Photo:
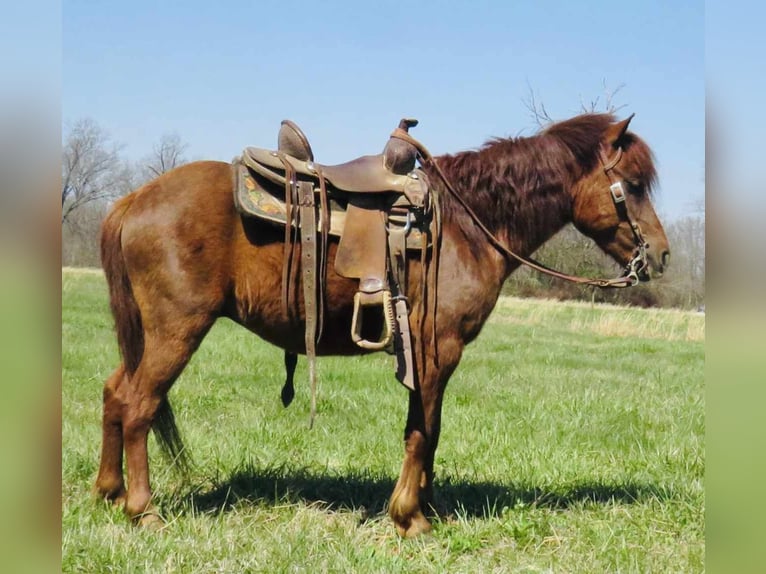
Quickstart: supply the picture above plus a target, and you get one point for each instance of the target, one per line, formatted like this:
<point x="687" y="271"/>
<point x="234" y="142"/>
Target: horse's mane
<point x="523" y="180"/>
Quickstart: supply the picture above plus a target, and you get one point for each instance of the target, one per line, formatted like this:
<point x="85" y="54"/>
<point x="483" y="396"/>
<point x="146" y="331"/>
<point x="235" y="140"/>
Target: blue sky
<point x="222" y="75"/>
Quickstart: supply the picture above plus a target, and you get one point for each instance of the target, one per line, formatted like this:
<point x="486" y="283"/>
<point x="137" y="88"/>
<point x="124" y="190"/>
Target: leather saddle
<point x="379" y="206"/>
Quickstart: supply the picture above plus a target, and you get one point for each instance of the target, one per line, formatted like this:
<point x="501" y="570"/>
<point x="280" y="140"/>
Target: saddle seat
<point x="390" y="171"/>
<point x="366" y="174"/>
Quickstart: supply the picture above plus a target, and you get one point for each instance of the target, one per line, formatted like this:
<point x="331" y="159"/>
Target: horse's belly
<point x="334" y="338"/>
<point x="263" y="312"/>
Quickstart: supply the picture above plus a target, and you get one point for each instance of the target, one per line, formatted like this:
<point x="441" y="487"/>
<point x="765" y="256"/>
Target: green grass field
<point x="573" y="441"/>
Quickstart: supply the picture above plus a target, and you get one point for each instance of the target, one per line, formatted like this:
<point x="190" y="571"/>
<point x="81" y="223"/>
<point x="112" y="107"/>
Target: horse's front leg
<point x="413" y="493"/>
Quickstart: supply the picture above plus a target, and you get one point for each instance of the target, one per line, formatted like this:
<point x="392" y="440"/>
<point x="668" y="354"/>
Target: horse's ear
<point x="615" y="132"/>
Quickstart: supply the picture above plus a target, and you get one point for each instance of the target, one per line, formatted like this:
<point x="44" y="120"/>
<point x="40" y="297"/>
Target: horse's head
<point x="612" y="204"/>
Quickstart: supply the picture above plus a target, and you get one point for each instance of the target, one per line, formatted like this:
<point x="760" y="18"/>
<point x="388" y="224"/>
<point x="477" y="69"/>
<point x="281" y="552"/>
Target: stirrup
<point x="362" y="299"/>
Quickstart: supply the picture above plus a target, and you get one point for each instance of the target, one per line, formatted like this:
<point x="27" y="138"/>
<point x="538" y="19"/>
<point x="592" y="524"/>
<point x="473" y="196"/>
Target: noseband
<point x="633" y="269"/>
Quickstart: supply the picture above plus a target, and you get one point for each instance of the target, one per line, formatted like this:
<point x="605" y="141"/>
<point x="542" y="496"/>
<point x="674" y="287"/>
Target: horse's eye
<point x="634" y="187"/>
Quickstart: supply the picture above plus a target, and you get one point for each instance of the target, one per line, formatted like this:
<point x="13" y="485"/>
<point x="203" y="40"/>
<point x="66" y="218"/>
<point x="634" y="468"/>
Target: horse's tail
<point x="129" y="327"/>
<point x="127" y="315"/>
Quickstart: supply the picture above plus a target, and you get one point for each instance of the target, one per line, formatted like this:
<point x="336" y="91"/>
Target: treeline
<point x="94" y="173"/>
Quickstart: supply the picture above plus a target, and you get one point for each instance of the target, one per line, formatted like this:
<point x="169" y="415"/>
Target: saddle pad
<point x="253" y="200"/>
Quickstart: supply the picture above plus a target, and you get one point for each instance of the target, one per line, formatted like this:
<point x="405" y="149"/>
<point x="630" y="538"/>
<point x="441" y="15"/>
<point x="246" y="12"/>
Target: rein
<point x="635" y="266"/>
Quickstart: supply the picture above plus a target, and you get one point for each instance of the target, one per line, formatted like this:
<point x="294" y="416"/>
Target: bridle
<point x="639" y="261"/>
<point x="636" y="266"/>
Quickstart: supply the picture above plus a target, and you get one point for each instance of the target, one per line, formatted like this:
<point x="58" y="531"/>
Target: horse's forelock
<point x="640" y="159"/>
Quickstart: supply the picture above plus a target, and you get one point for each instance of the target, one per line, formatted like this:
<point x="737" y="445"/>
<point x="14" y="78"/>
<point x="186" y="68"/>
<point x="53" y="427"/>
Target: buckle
<point x="405" y="229"/>
<point x="618" y="192"/>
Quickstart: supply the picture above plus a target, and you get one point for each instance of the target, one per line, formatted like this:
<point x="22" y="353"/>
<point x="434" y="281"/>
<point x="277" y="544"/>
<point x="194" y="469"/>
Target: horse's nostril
<point x="665" y="258"/>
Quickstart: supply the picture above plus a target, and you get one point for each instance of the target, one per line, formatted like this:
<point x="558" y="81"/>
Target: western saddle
<point x="379" y="205"/>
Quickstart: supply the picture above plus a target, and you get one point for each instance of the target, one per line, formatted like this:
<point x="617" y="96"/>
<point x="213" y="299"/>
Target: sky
<point x="223" y="75"/>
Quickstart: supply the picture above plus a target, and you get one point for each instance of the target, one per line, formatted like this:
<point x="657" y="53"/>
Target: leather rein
<point x="633" y="268"/>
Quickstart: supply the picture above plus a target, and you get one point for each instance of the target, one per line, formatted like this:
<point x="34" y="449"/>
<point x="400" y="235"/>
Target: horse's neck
<point x="536" y="220"/>
<point x="523" y="202"/>
<point x="523" y="228"/>
<point x="530" y="221"/>
<point x="520" y="215"/>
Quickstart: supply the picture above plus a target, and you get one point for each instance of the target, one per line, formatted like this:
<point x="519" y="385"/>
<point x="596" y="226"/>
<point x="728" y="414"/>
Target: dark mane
<point x="522" y="181"/>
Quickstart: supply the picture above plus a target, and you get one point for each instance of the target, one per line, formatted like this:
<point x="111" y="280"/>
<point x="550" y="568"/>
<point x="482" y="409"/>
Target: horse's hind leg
<point x="109" y="483"/>
<point x="166" y="353"/>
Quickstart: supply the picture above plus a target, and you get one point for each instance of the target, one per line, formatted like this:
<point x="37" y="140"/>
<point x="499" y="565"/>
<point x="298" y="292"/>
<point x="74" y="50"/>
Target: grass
<point x="573" y="441"/>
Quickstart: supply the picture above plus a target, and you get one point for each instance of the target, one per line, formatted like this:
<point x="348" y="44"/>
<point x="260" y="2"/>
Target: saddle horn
<point x="399" y="155"/>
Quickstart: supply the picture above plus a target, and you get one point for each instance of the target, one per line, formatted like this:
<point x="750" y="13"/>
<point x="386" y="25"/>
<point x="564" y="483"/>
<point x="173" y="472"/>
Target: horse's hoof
<point x="119" y="500"/>
<point x="288" y="394"/>
<point x="150" y="521"/>
<point x="416" y="526"/>
<point x="115" y="497"/>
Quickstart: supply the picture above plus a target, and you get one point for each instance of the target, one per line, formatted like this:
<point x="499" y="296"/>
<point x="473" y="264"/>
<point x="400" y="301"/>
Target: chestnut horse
<point x="178" y="255"/>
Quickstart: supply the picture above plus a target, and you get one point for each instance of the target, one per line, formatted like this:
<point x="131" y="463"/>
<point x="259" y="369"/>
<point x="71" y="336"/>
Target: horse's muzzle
<point x="656" y="266"/>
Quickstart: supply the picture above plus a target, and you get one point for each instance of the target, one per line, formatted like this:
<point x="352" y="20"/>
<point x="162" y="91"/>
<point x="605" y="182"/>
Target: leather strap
<point x="397" y="249"/>
<point x="291" y="231"/>
<point x="405" y="365"/>
<point x="324" y="235"/>
<point x="308" y="226"/>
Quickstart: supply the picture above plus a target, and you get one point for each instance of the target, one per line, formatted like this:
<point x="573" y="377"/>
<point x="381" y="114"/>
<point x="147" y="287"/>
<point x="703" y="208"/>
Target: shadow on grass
<point x="278" y="486"/>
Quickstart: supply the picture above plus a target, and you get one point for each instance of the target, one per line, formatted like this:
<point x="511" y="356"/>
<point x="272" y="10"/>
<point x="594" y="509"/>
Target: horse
<point x="177" y="255"/>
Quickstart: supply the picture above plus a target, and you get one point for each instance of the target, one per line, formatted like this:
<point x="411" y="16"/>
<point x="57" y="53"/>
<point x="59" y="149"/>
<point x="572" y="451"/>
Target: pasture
<point x="572" y="441"/>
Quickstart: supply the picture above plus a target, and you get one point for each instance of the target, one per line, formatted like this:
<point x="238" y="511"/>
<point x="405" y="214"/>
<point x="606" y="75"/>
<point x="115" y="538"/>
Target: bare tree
<point x="167" y="154"/>
<point x="536" y="109"/>
<point x="542" y="118"/>
<point x="608" y="106"/>
<point x="91" y="168"/>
